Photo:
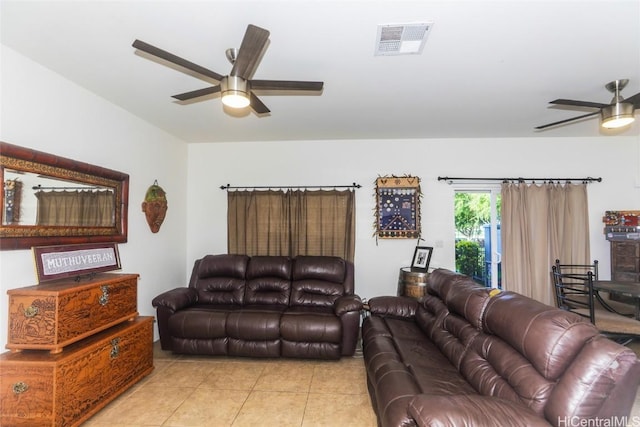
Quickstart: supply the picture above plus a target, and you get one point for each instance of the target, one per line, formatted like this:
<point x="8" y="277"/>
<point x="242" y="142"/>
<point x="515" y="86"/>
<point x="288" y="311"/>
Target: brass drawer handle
<point x="31" y="311"/>
<point x="104" y="298"/>
<point x="115" y="348"/>
<point x="20" y="387"/>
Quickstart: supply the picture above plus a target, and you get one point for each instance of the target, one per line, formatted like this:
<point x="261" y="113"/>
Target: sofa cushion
<point x="441" y="280"/>
<point x="325" y="268"/>
<point x="395" y="387"/>
<point x="199" y="323"/>
<point x="310" y="327"/>
<point x="430" y="314"/>
<point x="311" y="292"/>
<point x="220" y="279"/>
<point x="471" y="410"/>
<point x="596" y="373"/>
<point x="222" y="265"/>
<point x="453" y="337"/>
<point x="221" y="290"/>
<point x="254" y="324"/>
<point x="469" y="301"/>
<point x="269" y="266"/>
<point x="310" y="350"/>
<point x="549" y="338"/>
<point x="260" y="348"/>
<point x="268" y="280"/>
<point x="494" y="368"/>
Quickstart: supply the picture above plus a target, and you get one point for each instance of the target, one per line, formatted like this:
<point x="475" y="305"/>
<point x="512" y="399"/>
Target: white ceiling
<point x="488" y="69"/>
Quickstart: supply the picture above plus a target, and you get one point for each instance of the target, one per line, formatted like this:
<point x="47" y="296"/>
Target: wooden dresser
<point x="75" y="347"/>
<point x="625" y="265"/>
<point x="625" y="261"/>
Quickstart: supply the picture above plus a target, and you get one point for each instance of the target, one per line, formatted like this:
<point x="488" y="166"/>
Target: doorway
<point x="478" y="243"/>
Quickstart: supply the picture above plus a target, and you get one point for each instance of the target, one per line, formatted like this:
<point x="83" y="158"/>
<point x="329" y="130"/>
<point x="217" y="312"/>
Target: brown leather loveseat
<point x="263" y="306"/>
<point x="466" y="356"/>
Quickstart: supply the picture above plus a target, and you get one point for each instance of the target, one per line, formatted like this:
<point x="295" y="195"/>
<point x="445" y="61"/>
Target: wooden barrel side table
<point x="412" y="283"/>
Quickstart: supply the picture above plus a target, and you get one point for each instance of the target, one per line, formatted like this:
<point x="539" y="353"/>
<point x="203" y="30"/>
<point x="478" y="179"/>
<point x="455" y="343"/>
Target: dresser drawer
<point x="42" y="389"/>
<point x="53" y="315"/>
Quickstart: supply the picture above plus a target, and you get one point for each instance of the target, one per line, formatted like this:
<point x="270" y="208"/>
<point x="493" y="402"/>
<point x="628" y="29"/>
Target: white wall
<point x="615" y="159"/>
<point x="43" y="111"/>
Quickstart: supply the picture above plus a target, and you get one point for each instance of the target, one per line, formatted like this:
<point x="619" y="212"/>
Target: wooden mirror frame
<point x="26" y="236"/>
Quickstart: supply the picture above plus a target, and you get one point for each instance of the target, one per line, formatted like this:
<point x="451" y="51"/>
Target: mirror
<point x="51" y="200"/>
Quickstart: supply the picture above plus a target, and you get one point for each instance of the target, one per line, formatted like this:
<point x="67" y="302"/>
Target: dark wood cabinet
<point x="625" y="261"/>
<point x="625" y="265"/>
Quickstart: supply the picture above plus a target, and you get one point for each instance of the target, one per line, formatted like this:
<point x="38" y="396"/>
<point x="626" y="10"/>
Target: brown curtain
<point x="542" y="223"/>
<point x="76" y="208"/>
<point x="291" y="223"/>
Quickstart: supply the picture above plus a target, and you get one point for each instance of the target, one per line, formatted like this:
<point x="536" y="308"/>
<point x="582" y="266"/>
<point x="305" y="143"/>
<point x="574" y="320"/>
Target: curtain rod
<point x="519" y="179"/>
<point x="229" y="187"/>
<point x="39" y="187"/>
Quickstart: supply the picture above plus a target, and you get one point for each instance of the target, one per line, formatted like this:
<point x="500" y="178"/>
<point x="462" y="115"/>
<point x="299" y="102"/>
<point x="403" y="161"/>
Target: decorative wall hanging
<point x="155" y="206"/>
<point x="397" y="207"/>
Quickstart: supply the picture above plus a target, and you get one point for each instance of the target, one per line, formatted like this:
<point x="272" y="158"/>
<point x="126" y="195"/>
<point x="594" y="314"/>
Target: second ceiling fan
<point x="618" y="113"/>
<point x="237" y="88"/>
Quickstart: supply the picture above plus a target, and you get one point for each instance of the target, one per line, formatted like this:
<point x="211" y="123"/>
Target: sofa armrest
<point x="176" y="299"/>
<point x="347" y="303"/>
<point x="471" y="410"/>
<point x="393" y="306"/>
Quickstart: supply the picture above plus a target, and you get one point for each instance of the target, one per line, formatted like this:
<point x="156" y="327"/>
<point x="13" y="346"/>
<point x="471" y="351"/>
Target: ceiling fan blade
<point x="257" y="105"/>
<point x="567" y="120"/>
<point x="285" y="85"/>
<point x="254" y="41"/>
<point x="197" y="93"/>
<point x="578" y="103"/>
<point x="163" y="54"/>
<point x="635" y="100"/>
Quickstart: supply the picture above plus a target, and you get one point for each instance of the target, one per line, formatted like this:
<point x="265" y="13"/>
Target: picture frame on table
<point x="421" y="258"/>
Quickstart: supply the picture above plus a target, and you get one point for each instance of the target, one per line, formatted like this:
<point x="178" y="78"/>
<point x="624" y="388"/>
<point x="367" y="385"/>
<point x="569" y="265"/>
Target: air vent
<point x="402" y="39"/>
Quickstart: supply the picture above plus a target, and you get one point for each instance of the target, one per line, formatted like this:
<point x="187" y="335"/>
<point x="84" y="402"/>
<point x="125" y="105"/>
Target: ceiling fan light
<point x="234" y="92"/>
<point x="235" y="99"/>
<point x="617" y="115"/>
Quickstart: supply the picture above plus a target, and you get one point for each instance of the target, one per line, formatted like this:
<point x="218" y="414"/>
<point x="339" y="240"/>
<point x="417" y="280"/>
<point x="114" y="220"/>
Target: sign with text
<point x="56" y="262"/>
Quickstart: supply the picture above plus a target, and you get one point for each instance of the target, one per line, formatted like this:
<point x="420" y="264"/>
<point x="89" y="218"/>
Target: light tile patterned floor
<point x="188" y="391"/>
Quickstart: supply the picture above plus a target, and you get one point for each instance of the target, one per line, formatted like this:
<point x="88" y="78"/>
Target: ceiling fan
<point x="237" y="88"/>
<point x="618" y="113"/>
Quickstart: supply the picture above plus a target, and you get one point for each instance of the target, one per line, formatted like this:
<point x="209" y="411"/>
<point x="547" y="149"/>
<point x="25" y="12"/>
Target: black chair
<point x="574" y="292"/>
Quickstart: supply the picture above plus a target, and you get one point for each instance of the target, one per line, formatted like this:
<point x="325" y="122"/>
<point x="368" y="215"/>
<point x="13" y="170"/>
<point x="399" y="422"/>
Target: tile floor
<point x="198" y="391"/>
<point x="187" y="391"/>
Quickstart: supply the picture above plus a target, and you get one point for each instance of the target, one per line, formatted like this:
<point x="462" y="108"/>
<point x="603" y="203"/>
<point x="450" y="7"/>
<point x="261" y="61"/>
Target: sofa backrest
<point x="268" y="280"/>
<point x="220" y="279"/>
<point x="271" y="280"/>
<point x="584" y="370"/>
<point x="509" y="346"/>
<point x="319" y="280"/>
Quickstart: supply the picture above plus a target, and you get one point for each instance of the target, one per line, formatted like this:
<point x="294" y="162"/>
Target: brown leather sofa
<point x="263" y="306"/>
<point x="466" y="356"/>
